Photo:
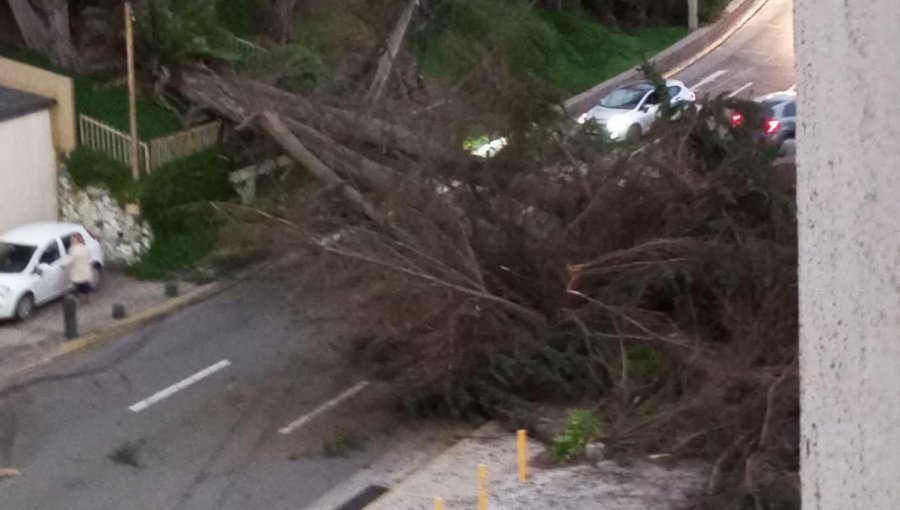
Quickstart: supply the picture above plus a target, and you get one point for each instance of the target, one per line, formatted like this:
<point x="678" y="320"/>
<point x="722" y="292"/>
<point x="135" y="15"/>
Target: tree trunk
<point x="281" y="20"/>
<point x="51" y="36"/>
<point x="272" y="124"/>
<point x="386" y="62"/>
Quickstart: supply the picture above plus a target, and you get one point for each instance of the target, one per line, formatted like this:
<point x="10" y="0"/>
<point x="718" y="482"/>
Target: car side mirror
<point x="39" y="270"/>
<point x="645" y="108"/>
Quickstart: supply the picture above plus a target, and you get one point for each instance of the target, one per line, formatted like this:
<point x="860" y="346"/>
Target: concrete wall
<point x="44" y="83"/>
<point x="27" y="171"/>
<point x="848" y="65"/>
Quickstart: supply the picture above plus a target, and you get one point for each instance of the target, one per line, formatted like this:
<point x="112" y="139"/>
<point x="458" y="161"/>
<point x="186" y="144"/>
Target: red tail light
<point x="772" y="126"/>
<point x="737" y="118"/>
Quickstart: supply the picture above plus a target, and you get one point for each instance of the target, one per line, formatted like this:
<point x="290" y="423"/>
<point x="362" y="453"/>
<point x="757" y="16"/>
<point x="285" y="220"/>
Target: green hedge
<point x="176" y="199"/>
<point x="91" y="168"/>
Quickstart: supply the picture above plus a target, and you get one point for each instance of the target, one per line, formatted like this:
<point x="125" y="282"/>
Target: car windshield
<point x="626" y="98"/>
<point x="14" y="258"/>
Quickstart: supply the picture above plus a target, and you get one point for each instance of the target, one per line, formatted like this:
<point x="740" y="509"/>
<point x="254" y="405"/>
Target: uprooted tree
<point x="658" y="281"/>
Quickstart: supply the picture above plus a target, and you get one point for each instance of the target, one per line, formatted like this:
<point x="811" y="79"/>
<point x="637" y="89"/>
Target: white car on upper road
<point x="32" y="266"/>
<point x="629" y="112"/>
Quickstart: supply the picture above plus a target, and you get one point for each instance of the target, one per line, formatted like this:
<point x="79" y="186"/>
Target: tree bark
<point x="281" y="20"/>
<point x="237" y="98"/>
<point x="386" y="62"/>
<point x="273" y="125"/>
<point x="51" y="36"/>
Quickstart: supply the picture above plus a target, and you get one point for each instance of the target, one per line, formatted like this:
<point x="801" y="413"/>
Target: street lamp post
<point x="693" y="16"/>
<point x="132" y="101"/>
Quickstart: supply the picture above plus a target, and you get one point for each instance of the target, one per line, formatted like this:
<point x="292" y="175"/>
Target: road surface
<point x="756" y="60"/>
<point x="230" y="404"/>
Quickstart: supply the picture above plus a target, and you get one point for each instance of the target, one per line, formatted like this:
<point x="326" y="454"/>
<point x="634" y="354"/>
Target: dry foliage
<point x="660" y="284"/>
<point x="658" y="281"/>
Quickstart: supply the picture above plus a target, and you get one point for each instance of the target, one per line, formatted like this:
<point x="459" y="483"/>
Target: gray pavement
<point x="756" y="60"/>
<point x="215" y="444"/>
<point x="24" y="343"/>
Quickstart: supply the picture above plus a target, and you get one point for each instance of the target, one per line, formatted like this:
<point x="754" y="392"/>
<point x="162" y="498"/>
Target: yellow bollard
<point x="438" y="503"/>
<point x="522" y="437"/>
<point x="482" y="487"/>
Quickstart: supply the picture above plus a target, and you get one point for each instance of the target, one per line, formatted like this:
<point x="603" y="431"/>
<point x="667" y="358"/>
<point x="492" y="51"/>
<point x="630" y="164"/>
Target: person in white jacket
<point x="78" y="260"/>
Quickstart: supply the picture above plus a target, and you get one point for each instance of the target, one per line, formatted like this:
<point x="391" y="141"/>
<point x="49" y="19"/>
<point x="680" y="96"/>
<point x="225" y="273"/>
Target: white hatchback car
<point x="629" y="112"/>
<point x="32" y="270"/>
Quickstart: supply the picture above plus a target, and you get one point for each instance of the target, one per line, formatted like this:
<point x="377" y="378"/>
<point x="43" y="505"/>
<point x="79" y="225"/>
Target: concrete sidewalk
<point x="24" y="343"/>
<point x="641" y="485"/>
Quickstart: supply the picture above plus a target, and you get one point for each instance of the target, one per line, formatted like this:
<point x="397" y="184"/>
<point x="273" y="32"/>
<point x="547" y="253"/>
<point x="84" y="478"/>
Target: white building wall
<point x="848" y="68"/>
<point x="27" y="171"/>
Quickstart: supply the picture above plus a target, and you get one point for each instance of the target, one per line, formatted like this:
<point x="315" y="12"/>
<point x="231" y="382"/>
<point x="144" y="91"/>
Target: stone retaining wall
<point x="124" y="238"/>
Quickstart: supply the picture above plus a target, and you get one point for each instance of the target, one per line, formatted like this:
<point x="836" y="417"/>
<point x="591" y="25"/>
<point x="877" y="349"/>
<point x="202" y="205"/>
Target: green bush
<point x="91" y="168"/>
<point x="583" y="426"/>
<point x="568" y="49"/>
<point x="175" y="200"/>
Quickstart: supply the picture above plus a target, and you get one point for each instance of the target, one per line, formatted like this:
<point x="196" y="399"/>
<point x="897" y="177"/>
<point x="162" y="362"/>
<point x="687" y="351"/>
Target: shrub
<point x="583" y="426"/>
<point x="175" y="199"/>
<point x="91" y="168"/>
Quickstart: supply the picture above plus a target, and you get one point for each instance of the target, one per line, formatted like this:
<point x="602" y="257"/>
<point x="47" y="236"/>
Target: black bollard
<point x="171" y="289"/>
<point x="70" y="317"/>
<point x="118" y="311"/>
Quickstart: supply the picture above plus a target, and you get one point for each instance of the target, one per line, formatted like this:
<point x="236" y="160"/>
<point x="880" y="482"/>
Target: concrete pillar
<point x="848" y="154"/>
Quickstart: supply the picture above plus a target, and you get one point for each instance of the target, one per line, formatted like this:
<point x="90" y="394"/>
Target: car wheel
<point x="96" y="276"/>
<point x="25" y="307"/>
<point x="634" y="133"/>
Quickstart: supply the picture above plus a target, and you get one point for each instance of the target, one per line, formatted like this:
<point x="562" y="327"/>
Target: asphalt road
<point x="758" y="59"/>
<point x="252" y="366"/>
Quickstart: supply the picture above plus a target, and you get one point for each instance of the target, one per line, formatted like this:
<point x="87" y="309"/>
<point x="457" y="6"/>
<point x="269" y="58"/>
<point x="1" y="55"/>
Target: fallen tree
<point x="659" y="284"/>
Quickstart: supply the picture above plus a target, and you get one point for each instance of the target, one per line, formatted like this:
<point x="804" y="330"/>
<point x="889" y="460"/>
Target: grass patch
<point x="126" y="454"/>
<point x="343" y="444"/>
<point x="567" y="49"/>
<point x="109" y="104"/>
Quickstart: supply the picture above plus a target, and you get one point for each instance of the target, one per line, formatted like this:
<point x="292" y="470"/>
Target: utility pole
<point x="693" y="16"/>
<point x="132" y="100"/>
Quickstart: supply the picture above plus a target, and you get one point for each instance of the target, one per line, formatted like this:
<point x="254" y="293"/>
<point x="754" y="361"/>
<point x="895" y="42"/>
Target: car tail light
<point x="772" y="126"/>
<point x="737" y="118"/>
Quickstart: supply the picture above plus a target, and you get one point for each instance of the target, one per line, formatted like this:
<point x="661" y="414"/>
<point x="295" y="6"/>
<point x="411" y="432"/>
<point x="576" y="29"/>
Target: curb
<point x="677" y="57"/>
<point x="129" y="324"/>
<point x="407" y="480"/>
<point x="132" y="323"/>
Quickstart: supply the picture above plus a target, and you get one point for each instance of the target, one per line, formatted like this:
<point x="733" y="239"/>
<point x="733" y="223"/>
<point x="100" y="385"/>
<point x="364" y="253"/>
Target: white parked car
<point x="32" y="270"/>
<point x="629" y="112"/>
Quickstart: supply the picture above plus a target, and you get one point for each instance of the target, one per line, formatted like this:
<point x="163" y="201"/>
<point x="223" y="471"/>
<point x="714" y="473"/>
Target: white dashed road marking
<point x="710" y="78"/>
<point x="303" y="420"/>
<point x="180" y="385"/>
<point x="739" y="90"/>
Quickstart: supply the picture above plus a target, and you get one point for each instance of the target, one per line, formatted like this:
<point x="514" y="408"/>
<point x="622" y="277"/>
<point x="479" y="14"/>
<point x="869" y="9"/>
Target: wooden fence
<point x="108" y="140"/>
<point x="183" y="143"/>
